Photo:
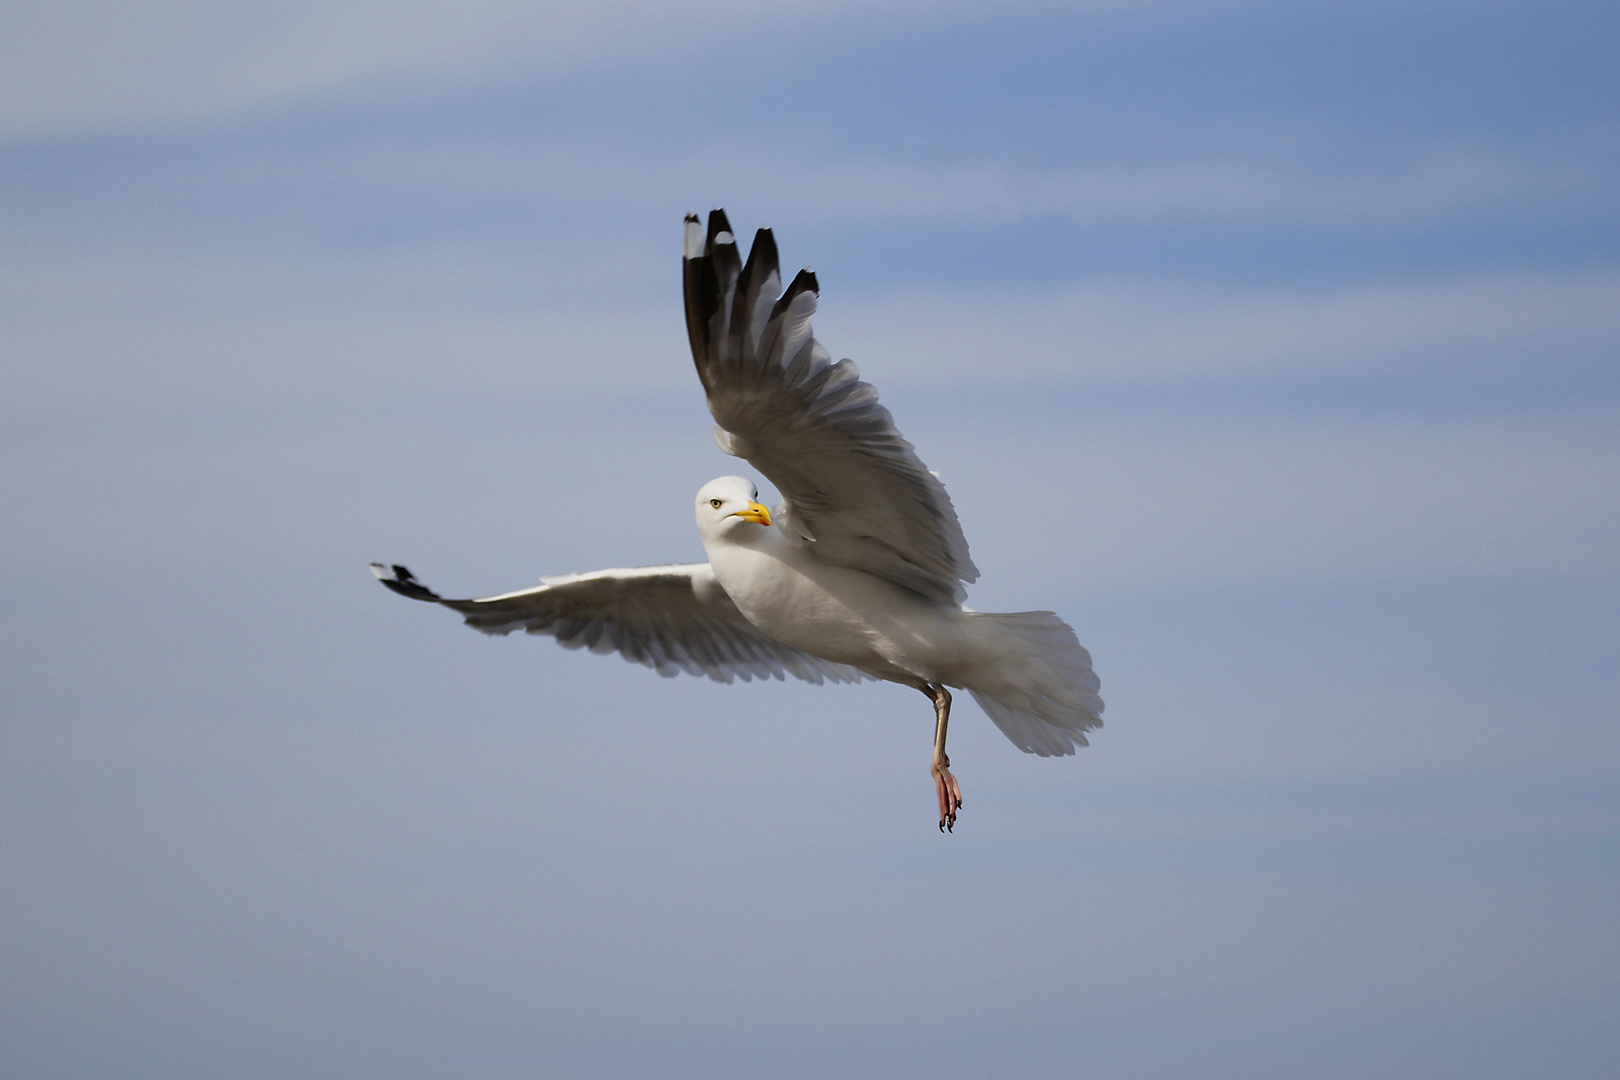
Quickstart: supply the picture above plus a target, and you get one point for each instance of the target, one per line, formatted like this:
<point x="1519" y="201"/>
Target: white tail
<point x="1040" y="689"/>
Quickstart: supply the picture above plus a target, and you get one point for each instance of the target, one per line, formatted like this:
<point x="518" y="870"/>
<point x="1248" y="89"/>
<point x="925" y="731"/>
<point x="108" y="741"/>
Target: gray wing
<point x="854" y="486"/>
<point x="671" y="618"/>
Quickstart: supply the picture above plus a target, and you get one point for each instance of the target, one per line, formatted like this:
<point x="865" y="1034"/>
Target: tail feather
<point x="1041" y="692"/>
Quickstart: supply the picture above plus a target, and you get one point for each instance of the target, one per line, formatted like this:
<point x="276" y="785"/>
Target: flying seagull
<point x="859" y="574"/>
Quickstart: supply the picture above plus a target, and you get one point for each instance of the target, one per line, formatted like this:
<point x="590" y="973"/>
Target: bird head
<point x="727" y="503"/>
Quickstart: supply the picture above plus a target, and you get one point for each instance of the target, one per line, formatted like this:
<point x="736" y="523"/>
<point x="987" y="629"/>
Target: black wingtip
<point x="719" y="223"/>
<point x="404" y="582"/>
<point x="762" y="263"/>
<point x="763" y="252"/>
<point x="804" y="281"/>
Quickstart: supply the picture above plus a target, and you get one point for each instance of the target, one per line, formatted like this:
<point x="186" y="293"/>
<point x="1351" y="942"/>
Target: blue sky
<point x="1274" y="346"/>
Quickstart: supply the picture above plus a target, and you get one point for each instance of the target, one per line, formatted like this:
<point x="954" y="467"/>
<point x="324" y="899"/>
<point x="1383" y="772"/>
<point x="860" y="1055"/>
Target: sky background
<point x="1274" y="345"/>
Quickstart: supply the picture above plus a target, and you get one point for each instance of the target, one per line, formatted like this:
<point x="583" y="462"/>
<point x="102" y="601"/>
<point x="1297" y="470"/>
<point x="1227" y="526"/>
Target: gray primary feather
<point x="670" y="618"/>
<point x="854" y="487"/>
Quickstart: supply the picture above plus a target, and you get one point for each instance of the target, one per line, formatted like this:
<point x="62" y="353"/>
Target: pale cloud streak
<point x="1161" y="332"/>
<point x="1432" y="185"/>
<point x="1157" y="500"/>
<point x="98" y="64"/>
<point x="1184" y="192"/>
<point x="120" y="326"/>
<point x="110" y="65"/>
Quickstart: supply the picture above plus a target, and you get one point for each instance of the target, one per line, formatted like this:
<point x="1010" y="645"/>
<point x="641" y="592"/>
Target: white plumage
<point x="861" y="572"/>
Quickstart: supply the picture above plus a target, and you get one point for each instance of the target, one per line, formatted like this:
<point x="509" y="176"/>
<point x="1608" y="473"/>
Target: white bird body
<point x="863" y="572"/>
<point x="834" y="612"/>
<point x="1026" y="669"/>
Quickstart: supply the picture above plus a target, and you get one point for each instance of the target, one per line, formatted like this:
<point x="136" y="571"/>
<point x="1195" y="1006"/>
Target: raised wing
<point x="854" y="487"/>
<point x="670" y="618"/>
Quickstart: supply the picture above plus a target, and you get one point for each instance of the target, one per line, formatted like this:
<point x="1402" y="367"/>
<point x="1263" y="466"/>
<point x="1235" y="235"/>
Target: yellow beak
<point x="756" y="513"/>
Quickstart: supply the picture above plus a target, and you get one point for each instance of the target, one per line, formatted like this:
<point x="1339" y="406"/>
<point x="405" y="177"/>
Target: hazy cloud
<point x="1467" y="328"/>
<point x="106" y="64"/>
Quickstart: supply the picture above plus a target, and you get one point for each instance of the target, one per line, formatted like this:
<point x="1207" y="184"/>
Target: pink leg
<point x="945" y="786"/>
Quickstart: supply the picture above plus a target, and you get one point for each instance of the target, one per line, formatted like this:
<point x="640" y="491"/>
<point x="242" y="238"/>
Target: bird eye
<point x="715" y="503"/>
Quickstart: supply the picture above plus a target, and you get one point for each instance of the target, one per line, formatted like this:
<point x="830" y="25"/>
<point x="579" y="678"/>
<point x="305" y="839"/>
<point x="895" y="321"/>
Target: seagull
<point x="860" y="573"/>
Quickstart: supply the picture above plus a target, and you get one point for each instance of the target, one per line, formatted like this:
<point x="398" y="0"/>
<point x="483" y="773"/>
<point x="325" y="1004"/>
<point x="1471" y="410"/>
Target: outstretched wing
<point x="671" y="618"/>
<point x="854" y="487"/>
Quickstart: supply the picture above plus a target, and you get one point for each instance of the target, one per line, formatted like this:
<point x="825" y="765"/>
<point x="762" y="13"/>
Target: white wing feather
<point x="670" y="618"/>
